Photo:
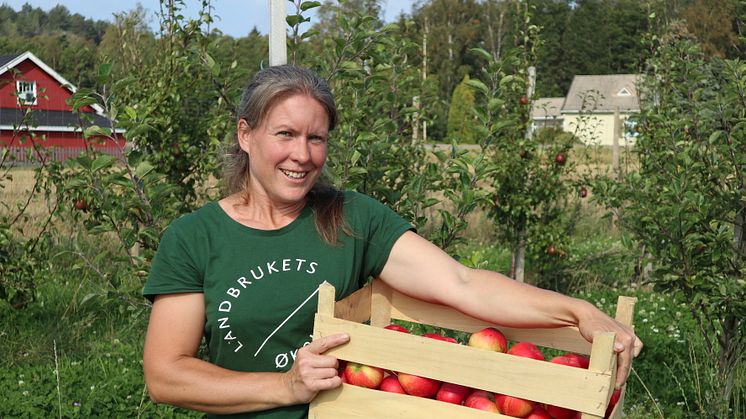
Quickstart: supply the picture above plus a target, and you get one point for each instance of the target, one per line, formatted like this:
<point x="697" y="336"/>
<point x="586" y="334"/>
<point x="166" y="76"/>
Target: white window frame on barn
<point x="24" y="88"/>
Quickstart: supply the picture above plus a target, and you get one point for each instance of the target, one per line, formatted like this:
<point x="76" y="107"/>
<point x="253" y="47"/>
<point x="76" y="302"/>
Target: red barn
<point x="26" y="83"/>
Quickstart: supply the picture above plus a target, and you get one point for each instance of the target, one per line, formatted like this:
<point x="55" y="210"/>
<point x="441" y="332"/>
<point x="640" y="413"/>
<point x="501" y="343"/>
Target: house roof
<point x="43" y="120"/>
<point x="613" y="91"/>
<point x="9" y="61"/>
<point x="547" y="108"/>
<point x="5" y="59"/>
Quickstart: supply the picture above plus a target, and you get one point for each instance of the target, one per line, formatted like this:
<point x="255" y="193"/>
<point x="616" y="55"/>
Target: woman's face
<point x="287" y="150"/>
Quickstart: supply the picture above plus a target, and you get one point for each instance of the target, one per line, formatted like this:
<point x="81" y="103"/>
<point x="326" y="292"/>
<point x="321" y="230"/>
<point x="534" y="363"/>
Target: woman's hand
<point x="313" y="371"/>
<point x="627" y="345"/>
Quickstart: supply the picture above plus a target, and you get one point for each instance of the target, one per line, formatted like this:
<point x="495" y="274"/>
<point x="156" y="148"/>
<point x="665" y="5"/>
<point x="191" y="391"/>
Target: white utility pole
<point x="278" y="46"/>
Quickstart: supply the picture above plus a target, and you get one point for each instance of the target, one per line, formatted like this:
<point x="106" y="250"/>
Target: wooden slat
<point x="380" y="312"/>
<point x="356" y="307"/>
<point x="326" y="299"/>
<point x="413" y="310"/>
<point x="349" y="401"/>
<point x="545" y="382"/>
<point x="603" y="361"/>
<point x="625" y="307"/>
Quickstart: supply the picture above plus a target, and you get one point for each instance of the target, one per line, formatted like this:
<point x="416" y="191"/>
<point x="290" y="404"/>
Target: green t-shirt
<point x="260" y="287"/>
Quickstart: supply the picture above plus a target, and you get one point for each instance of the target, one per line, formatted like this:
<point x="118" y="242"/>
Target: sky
<point x="234" y="17"/>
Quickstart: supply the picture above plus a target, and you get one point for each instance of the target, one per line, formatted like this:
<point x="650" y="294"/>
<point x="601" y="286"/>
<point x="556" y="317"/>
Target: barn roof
<point x="43" y="120"/>
<point x="5" y="59"/>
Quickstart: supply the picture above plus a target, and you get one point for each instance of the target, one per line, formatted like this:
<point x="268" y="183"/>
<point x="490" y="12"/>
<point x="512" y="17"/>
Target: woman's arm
<point x="421" y="270"/>
<point x="174" y="374"/>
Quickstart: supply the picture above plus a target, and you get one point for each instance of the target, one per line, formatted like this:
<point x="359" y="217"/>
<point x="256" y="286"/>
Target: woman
<point x="243" y="272"/>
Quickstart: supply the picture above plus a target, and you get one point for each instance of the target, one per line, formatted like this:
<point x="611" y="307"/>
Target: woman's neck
<point x="258" y="213"/>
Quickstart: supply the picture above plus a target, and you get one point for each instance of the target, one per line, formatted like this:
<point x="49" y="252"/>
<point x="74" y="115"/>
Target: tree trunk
<point x="517" y="266"/>
<point x="731" y="348"/>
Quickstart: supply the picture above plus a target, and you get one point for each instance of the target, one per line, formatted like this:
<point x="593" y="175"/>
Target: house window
<point x="26" y="92"/>
<point x="624" y="92"/>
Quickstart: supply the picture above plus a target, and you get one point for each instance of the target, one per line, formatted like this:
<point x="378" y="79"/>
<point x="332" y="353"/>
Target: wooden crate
<point x="587" y="391"/>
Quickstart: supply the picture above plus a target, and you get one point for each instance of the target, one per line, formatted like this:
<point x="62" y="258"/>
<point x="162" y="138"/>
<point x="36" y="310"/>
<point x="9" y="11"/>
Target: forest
<point x="577" y="37"/>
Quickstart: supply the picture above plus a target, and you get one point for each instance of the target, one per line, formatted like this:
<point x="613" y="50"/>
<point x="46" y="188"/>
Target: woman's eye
<point x="284" y="133"/>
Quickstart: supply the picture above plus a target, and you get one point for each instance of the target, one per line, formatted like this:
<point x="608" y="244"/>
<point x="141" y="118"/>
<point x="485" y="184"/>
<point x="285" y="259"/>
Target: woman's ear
<point x="244" y="134"/>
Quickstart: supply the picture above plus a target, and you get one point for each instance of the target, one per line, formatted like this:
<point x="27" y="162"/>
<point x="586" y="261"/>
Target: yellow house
<point x="595" y="109"/>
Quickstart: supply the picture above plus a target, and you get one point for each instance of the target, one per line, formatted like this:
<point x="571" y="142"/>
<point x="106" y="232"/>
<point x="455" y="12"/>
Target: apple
<point x="81" y="204"/>
<point x="560" y="412"/>
<point x="391" y="384"/>
<point x="452" y="393"/>
<point x="538" y="413"/>
<point x="613" y="401"/>
<point x="583" y="192"/>
<point x="397" y="328"/>
<point x="523" y="100"/>
<point x="526" y="350"/>
<point x="481" y="400"/>
<point x="571" y="359"/>
<point x="551" y="250"/>
<point x="489" y="338"/>
<point x="419" y="386"/>
<point x="560" y="159"/>
<point x="440" y="337"/>
<point x="514" y="406"/>
<point x="363" y="375"/>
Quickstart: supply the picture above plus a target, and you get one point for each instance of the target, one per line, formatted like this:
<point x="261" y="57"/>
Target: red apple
<point x="514" y="406"/>
<point x="560" y="412"/>
<point x="81" y="204"/>
<point x="538" y="413"/>
<point x="481" y="400"/>
<point x="440" y="337"/>
<point x="583" y="192"/>
<point x="391" y="384"/>
<point x="613" y="401"/>
<point x="551" y="250"/>
<point x="524" y="100"/>
<point x="489" y="338"/>
<point x="397" y="328"/>
<point x="419" y="386"/>
<point x="559" y="159"/>
<point x="572" y="359"/>
<point x="363" y="375"/>
<point x="526" y="350"/>
<point x="452" y="393"/>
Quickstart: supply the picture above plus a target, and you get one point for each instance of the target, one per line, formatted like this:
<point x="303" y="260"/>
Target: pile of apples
<point x="489" y="339"/>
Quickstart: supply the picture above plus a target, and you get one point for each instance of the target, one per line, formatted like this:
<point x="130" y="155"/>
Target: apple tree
<point x="376" y="147"/>
<point x="529" y="189"/>
<point x="687" y="201"/>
